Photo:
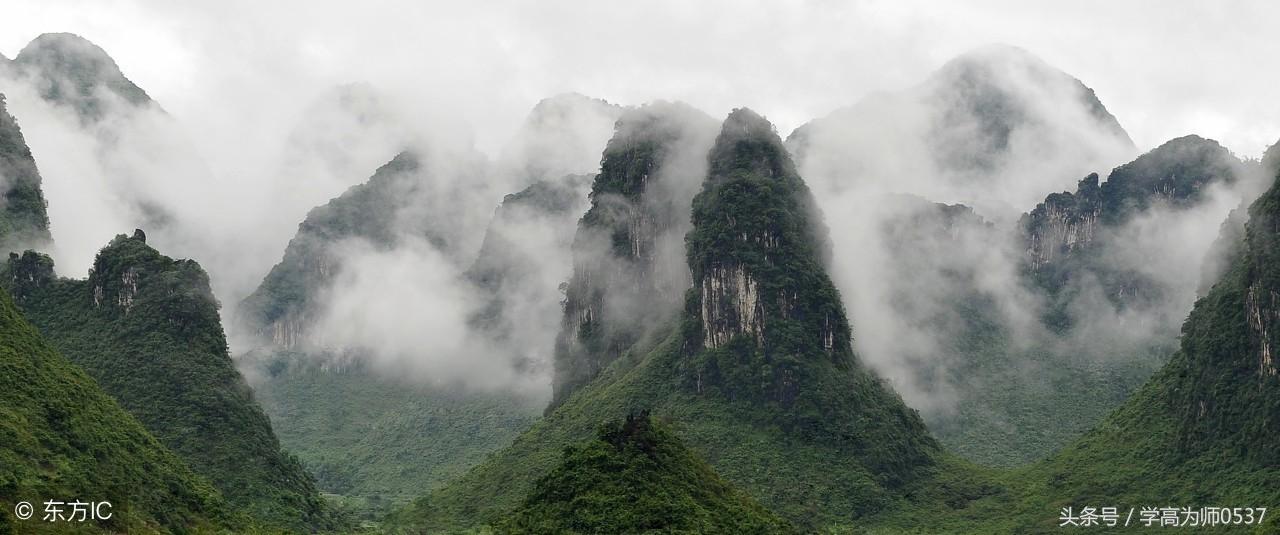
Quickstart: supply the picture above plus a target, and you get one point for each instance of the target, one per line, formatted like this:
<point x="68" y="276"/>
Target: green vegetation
<point x="765" y="324"/>
<point x="63" y="438"/>
<point x="377" y="441"/>
<point x="23" y="218"/>
<point x="636" y="477"/>
<point x="617" y="290"/>
<point x="794" y="422"/>
<point x="1017" y="404"/>
<point x="146" y="328"/>
<point x="1175" y="174"/>
<point x="284" y="300"/>
<point x="374" y="441"/>
<point x="850" y="458"/>
<point x="1196" y="434"/>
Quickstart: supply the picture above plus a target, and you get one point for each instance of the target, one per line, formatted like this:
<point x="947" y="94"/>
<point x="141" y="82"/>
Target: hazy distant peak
<point x="995" y="71"/>
<point x="996" y="53"/>
<point x="994" y="119"/>
<point x="567" y="102"/>
<point x="70" y="69"/>
<point x="562" y="134"/>
<point x="358" y="97"/>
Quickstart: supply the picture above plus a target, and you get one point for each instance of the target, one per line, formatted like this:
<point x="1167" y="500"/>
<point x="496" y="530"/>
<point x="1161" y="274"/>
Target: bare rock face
<point x="1262" y="308"/>
<point x="755" y="253"/>
<point x="1063" y="234"/>
<point x="1065" y="222"/>
<point x="730" y="306"/>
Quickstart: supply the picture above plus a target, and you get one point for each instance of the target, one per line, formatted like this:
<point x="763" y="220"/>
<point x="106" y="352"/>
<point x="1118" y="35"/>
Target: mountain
<point x="995" y="118"/>
<point x="63" y="437"/>
<point x="1197" y="433"/>
<point x="332" y="144"/>
<point x="756" y="371"/>
<point x="68" y="69"/>
<point x="401" y="202"/>
<point x="1014" y="337"/>
<point x="522" y="262"/>
<point x="374" y="433"/>
<point x="24" y="221"/>
<point x="281" y="309"/>
<point x="146" y="328"/>
<point x="1174" y="175"/>
<point x="635" y="476"/>
<point x="562" y="135"/>
<point x="112" y="151"/>
<point x="626" y="271"/>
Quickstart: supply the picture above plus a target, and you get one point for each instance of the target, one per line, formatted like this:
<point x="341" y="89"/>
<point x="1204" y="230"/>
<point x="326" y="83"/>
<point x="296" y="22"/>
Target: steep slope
<point x="772" y="327"/>
<point x="637" y="477"/>
<point x="68" y="69"/>
<point x="24" y="222"/>
<point x="1175" y="175"/>
<point x="523" y="260"/>
<point x="94" y="130"/>
<point x="281" y="308"/>
<point x="627" y="275"/>
<point x="146" y="328"/>
<point x="354" y="423"/>
<point x="62" y="437"/>
<point x="399" y="202"/>
<point x="1013" y="340"/>
<point x="756" y="375"/>
<point x="1197" y="434"/>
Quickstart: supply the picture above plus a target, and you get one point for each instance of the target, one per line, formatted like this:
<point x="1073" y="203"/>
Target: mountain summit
<point x="997" y="117"/>
<point x="146" y="328"/>
<point x="756" y="371"/>
<point x="768" y="323"/>
<point x="627" y="275"/>
<point x="69" y="69"/>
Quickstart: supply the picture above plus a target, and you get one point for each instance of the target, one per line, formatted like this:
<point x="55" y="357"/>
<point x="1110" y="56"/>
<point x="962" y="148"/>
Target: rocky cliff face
<point x="1064" y="222"/>
<point x="1060" y="232"/>
<point x="755" y="255"/>
<point x="24" y="221"/>
<point x="1219" y="390"/>
<point x="764" y="323"/>
<point x="626" y="271"/>
<point x="1262" y="308"/>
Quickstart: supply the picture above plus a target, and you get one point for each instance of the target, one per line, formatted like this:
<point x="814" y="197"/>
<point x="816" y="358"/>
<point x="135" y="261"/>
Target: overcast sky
<point x="1163" y="68"/>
